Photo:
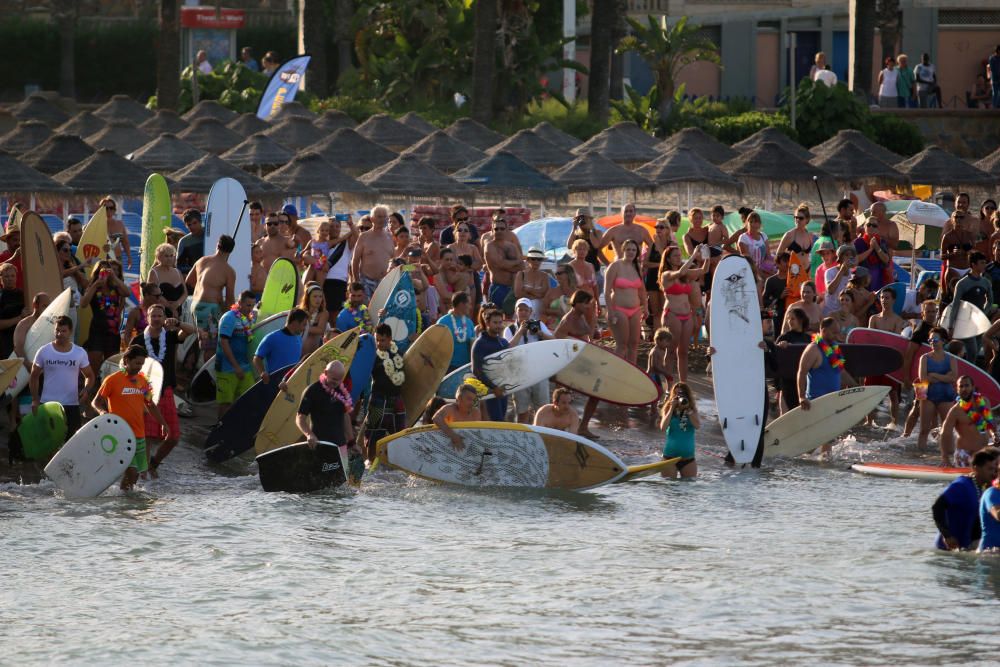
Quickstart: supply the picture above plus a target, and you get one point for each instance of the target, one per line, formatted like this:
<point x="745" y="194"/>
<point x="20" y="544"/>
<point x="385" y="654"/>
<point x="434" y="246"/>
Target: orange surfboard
<point x="798" y="273"/>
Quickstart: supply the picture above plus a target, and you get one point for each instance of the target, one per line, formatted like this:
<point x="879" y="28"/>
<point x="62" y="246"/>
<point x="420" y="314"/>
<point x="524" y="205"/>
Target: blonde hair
<point x="820" y="55"/>
<point x="661" y="333"/>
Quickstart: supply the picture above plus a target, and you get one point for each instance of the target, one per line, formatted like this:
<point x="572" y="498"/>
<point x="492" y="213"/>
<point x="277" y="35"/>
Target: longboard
<point x="903" y="471"/>
<point x="859" y="360"/>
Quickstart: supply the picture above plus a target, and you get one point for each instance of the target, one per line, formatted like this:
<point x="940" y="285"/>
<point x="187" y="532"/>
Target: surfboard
<point x="8" y="371"/>
<point x="401" y="312"/>
<point x="94" y="238"/>
<point x="983" y="381"/>
<point x="362" y="366"/>
<point x="599" y="373"/>
<point x="94" y="458"/>
<point x="151" y="369"/>
<point x="738" y="363"/>
<point x="226" y="213"/>
<point x="424" y="365"/>
<point x="280" y="290"/>
<point x="798" y="273"/>
<point x="380" y="297"/>
<point x="518" y="367"/>
<point x="43" y="434"/>
<point x="39" y="258"/>
<point x="278" y="429"/>
<point x="859" y="360"/>
<point x="13" y="222"/>
<point x="969" y="322"/>
<point x="903" y="471"/>
<point x="296" y="468"/>
<point x="649" y="469"/>
<point x="41" y="333"/>
<point x="234" y="433"/>
<point x="156" y="218"/>
<point x="500" y="454"/>
<point x="800" y="431"/>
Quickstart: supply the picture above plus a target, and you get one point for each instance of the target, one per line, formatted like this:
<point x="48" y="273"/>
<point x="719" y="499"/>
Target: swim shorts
<point x="206" y="318"/>
<point x="140" y="462"/>
<point x="169" y="411"/>
<point x="228" y="387"/>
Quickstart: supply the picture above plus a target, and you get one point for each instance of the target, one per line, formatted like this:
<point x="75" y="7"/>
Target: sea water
<point x="797" y="563"/>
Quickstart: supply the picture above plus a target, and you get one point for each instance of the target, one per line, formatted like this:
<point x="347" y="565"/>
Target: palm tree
<point x="863" y="18"/>
<point x="168" y="56"/>
<point x="667" y="50"/>
<point x="64" y="12"/>
<point x="343" y="15"/>
<point x="312" y="40"/>
<point x="602" y="18"/>
<point x="484" y="60"/>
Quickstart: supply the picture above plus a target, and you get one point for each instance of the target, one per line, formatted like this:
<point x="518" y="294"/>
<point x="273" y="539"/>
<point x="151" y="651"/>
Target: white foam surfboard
<point x="904" y="471"/>
<point x="151" y="369"/>
<point x="41" y="333"/>
<point x="800" y="431"/>
<point x="969" y="322"/>
<point x="519" y="367"/>
<point x="738" y="363"/>
<point x="222" y="212"/>
<point x="94" y="458"/>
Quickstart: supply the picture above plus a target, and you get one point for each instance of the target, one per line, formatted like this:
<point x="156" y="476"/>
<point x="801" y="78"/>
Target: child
<point x="680" y="420"/>
<point x="258" y="274"/>
<point x="315" y="253"/>
<point x="657" y="367"/>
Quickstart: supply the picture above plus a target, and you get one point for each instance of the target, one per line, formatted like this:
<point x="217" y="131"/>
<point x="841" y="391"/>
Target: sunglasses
<point x="463" y="230"/>
<point x="661" y="227"/>
<point x="465" y="219"/>
<point x="270" y="224"/>
<point x="535" y="259"/>
<point x="800" y="217"/>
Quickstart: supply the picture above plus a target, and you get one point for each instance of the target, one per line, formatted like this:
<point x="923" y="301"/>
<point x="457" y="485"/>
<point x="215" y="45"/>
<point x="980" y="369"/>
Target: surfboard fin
<point x="725" y="422"/>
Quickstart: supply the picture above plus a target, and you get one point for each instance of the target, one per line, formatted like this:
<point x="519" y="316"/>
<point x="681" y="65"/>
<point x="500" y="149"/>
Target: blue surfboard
<point x="401" y="312"/>
<point x="361" y="367"/>
<point x="235" y="432"/>
<point x="452" y="381"/>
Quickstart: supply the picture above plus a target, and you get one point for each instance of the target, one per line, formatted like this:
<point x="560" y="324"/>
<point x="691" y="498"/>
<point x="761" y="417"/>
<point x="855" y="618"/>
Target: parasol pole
<point x="913" y="258"/>
<point x="590" y="203"/>
<point x="690" y="203"/>
<point x="608" y="212"/>
<point x="820" y="193"/>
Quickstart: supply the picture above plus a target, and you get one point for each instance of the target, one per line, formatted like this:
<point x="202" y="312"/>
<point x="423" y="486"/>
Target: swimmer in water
<point x="464" y="409"/>
<point x="559" y="414"/>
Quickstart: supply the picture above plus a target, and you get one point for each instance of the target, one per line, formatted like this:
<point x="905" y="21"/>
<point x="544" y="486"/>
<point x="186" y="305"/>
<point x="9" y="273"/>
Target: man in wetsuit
<point x="956" y="510"/>
<point x="489" y="342"/>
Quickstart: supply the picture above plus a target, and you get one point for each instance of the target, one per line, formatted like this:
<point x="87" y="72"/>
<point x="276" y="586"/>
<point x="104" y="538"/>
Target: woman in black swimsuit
<point x="798" y="240"/>
<point x="165" y="275"/>
<point x="662" y="240"/>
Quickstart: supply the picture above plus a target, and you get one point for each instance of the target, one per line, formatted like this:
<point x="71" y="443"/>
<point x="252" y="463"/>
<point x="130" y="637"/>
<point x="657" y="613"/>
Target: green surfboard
<point x="155" y="220"/>
<point x="281" y="290"/>
<point x="43" y="434"/>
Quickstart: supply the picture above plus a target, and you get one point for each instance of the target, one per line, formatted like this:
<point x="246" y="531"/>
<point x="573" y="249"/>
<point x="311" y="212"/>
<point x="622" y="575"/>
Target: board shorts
<point x="370" y="287"/>
<point x="169" y="411"/>
<point x="102" y="341"/>
<point x="206" y="318"/>
<point x="73" y="419"/>
<point x="140" y="462"/>
<point x="386" y="415"/>
<point x="228" y="386"/>
<point x="534" y="396"/>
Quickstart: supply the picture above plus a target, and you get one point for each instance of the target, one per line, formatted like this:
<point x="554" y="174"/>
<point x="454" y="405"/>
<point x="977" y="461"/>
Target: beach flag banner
<point x="282" y="87"/>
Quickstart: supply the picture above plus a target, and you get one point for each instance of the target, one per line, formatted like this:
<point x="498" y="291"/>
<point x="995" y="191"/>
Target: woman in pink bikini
<point x="677" y="279"/>
<point x="625" y="294"/>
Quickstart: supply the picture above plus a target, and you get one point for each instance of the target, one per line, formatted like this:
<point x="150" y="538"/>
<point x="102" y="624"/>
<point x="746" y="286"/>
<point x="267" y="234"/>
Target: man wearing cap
<point x="837" y="277"/>
<point x="526" y="329"/>
<point x="12" y="255"/>
<point x="828" y="252"/>
<point x="300" y="235"/>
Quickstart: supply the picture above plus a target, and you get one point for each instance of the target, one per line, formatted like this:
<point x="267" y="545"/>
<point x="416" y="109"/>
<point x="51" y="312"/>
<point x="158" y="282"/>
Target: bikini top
<point x="678" y="288"/>
<point x="625" y="283"/>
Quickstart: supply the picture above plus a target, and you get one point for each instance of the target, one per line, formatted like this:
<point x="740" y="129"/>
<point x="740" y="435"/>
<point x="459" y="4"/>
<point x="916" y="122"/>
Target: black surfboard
<point x="299" y="469"/>
<point x="859" y="360"/>
<point x="235" y="432"/>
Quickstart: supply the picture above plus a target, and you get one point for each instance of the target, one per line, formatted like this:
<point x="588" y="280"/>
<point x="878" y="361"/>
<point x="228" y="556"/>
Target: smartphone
<point x="343" y="217"/>
<point x="705" y="252"/>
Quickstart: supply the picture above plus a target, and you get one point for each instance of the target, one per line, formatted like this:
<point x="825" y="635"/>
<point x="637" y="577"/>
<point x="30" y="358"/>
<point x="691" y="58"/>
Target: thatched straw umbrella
<point x="18" y="178"/>
<point x="848" y="164"/>
<point x="296" y="133"/>
<point x="385" y="130"/>
<point x="555" y="136"/>
<point x="7" y="121"/>
<point x="163" y="121"/>
<point x="248" y="123"/>
<point x="504" y="177"/>
<point x="258" y="152"/>
<point x="474" y="133"/>
<point x="38" y="107"/>
<point x="990" y="164"/>
<point x="683" y="168"/>
<point x="83" y="124"/>
<point x="353" y="153"/>
<point x="123" y="107"/>
<point x="210" y="135"/>
<point x="119" y="136"/>
<point x="532" y="149"/>
<point x="27" y="135"/>
<point x="58" y="152"/>
<point x="444" y="153"/>
<point x="860" y="142"/>
<point x="334" y="119"/>
<point x="417" y="122"/>
<point x="936" y="166"/>
<point x="202" y="175"/>
<point x="167" y="153"/>
<point x="309" y="174"/>
<point x="209" y="109"/>
<point x="618" y="147"/>
<point x="632" y="131"/>
<point x="775" y="136"/>
<point x="769" y="164"/>
<point x="698" y="141"/>
<point x="105" y="172"/>
<point x="592" y="173"/>
<point x="408" y="177"/>
<point x="290" y="109"/>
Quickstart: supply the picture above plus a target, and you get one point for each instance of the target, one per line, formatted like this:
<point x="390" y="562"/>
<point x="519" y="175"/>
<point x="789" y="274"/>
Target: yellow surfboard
<point x="424" y="366"/>
<point x="40" y="261"/>
<point x="90" y="250"/>
<point x="278" y="427"/>
<point x="649" y="469"/>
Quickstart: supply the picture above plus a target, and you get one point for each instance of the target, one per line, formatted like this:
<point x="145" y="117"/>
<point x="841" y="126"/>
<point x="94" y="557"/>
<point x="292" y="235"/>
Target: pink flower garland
<point x="337" y="391"/>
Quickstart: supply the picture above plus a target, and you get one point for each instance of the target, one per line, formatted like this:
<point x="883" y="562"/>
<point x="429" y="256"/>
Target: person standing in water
<point x="559" y="414"/>
<point x="956" y="510"/>
<point x="680" y="420"/>
<point x="324" y="414"/>
<point x="386" y="410"/>
<point x="821" y="368"/>
<point x="62" y="363"/>
<point x="464" y="409"/>
<point x="972" y="419"/>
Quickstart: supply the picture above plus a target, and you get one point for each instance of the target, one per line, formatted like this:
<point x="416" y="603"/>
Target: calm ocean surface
<point x="799" y="563"/>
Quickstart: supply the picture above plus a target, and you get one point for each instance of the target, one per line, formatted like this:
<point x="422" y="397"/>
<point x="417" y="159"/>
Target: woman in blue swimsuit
<point x="938" y="371"/>
<point x="680" y="419"/>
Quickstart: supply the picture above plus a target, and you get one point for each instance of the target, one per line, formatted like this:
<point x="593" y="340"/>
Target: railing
<point x="648" y="6"/>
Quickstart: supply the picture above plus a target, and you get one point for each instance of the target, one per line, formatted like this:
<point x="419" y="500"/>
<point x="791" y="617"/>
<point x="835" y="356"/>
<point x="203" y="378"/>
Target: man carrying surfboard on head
<point x="372" y="252"/>
<point x="62" y="363"/>
<point x="956" y="510"/>
<point x="213" y="282"/>
<point x="464" y="409"/>
<point x="972" y="419"/>
<point x="821" y="367"/>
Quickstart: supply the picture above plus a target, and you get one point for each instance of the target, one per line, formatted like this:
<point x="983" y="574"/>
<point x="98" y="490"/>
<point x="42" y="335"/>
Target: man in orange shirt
<point x="129" y="395"/>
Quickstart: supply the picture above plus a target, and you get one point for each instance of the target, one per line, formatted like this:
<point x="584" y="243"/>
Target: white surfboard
<point x="800" y="431"/>
<point x="518" y="367"/>
<point x="738" y="363"/>
<point x="41" y="333"/>
<point x="969" y="322"/>
<point x="222" y="213"/>
<point x="497" y="454"/>
<point x="151" y="369"/>
<point x="94" y="458"/>
<point x="380" y="297"/>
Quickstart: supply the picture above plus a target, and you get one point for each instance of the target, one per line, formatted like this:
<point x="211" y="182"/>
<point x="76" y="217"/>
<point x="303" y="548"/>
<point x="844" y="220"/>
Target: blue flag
<point x="282" y="87"/>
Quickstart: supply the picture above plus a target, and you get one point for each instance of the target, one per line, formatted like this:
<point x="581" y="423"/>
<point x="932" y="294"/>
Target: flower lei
<point x="162" y="343"/>
<point x="475" y="383"/>
<point x="977" y="410"/>
<point x="339" y="392"/>
<point x="360" y="320"/>
<point x="393" y="366"/>
<point x="247" y="322"/>
<point x="831" y="352"/>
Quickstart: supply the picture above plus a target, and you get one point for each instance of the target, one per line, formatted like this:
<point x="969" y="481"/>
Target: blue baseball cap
<point x="290" y="210"/>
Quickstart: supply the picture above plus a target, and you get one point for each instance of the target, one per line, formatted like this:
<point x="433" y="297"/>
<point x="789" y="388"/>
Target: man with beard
<point x="972" y="420"/>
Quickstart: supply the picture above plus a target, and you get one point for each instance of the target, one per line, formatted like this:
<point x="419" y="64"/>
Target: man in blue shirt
<point x="356" y="312"/>
<point x="989" y="517"/>
<point x="232" y="361"/>
<point x="282" y="347"/>
<point x="462" y="330"/>
<point x="956" y="510"/>
<point x="489" y="342"/>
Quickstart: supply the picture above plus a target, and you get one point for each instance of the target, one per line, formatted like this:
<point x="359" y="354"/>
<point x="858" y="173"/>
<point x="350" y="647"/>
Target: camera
<point x="534" y="326"/>
<point x="398" y="261"/>
<point x="682" y="401"/>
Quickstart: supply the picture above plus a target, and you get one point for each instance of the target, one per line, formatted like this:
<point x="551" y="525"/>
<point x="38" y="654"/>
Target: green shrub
<point x="357" y="108"/>
<point x="731" y="129"/>
<point x="572" y="120"/>
<point x="821" y="111"/>
<point x="898" y="135"/>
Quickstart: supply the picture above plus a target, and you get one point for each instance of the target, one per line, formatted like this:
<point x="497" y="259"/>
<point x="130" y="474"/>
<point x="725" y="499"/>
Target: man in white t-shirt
<point x="62" y="362"/>
<point x="527" y="330"/>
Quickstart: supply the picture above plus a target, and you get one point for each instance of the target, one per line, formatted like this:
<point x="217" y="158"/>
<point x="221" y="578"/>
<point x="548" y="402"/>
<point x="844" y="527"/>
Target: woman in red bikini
<point x="625" y="294"/>
<point x="676" y="280"/>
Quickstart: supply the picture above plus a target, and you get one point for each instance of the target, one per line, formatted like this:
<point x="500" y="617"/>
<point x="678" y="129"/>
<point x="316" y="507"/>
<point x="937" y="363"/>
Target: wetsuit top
<point x="955" y="513"/>
<point x="823" y="380"/>
<point x="679" y="438"/>
<point x="325" y="412"/>
<point x="989" y="525"/>
<point x="484" y="346"/>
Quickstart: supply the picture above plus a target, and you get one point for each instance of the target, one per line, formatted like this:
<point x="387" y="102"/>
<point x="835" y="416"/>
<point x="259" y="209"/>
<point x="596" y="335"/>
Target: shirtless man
<point x="464" y="409"/>
<point x="431" y="250"/>
<point x="886" y="320"/>
<point x="214" y="283"/>
<point x="887" y="229"/>
<point x="300" y="236"/>
<point x="967" y="418"/>
<point x="576" y="324"/>
<point x="256" y="212"/>
<point x="372" y="253"/>
<point x="503" y="259"/>
<point x="273" y="243"/>
<point x="559" y="414"/>
<point x="628" y="230"/>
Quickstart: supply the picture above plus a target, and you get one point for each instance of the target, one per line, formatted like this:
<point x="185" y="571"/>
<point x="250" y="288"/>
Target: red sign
<point x="212" y="17"/>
